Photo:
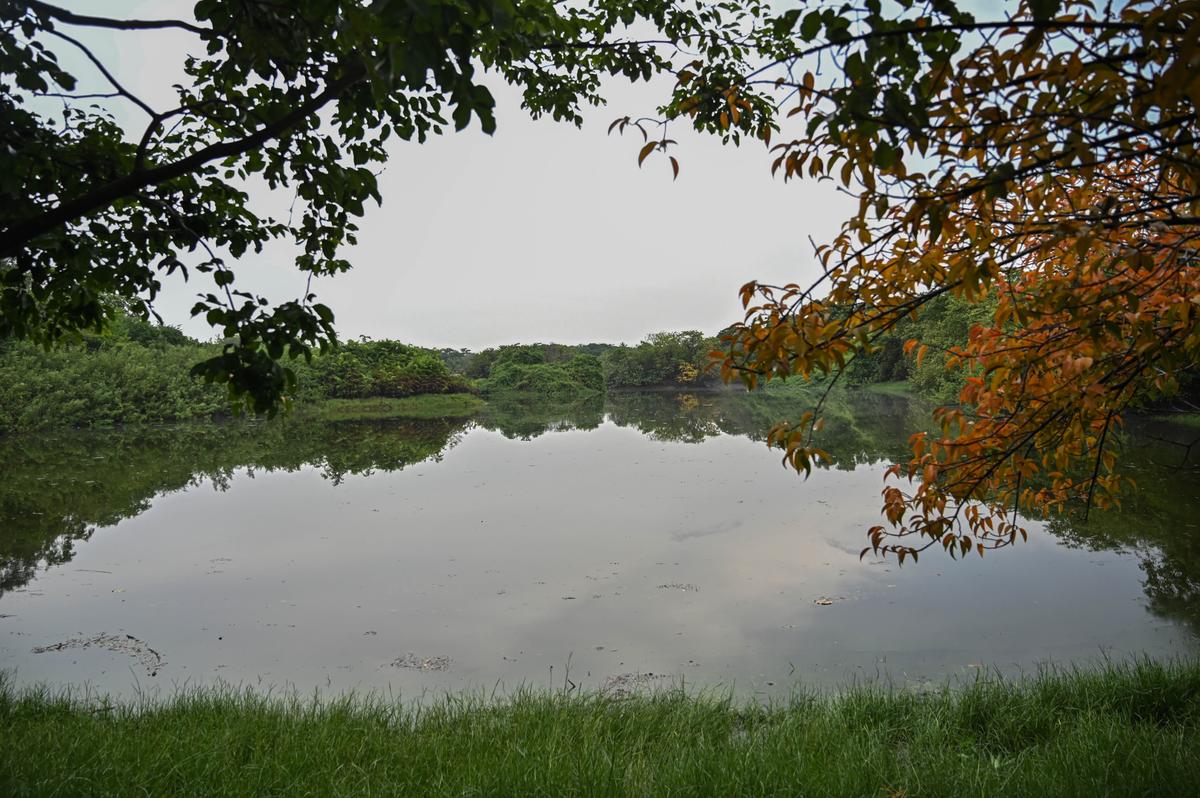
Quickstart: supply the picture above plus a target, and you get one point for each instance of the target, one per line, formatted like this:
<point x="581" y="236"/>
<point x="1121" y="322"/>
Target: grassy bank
<point x="1179" y="419"/>
<point x="1126" y="731"/>
<point x="893" y="388"/>
<point x="422" y="406"/>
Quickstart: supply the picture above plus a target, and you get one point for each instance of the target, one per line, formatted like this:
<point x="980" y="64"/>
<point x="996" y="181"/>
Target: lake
<point x="643" y="540"/>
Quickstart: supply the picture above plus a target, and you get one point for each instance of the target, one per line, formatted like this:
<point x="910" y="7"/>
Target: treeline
<point x="138" y="372"/>
<point x="666" y="359"/>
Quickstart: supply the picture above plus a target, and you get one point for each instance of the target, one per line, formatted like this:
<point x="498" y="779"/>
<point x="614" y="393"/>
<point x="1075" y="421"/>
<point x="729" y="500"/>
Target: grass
<point x="1190" y="419"/>
<point x="795" y="387"/>
<point x="422" y="406"/>
<point x="893" y="388"/>
<point x="1126" y="730"/>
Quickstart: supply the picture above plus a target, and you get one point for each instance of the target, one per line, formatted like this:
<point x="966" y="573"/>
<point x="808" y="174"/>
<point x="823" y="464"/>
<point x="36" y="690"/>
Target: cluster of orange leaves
<point x="1065" y="189"/>
<point x="1085" y="325"/>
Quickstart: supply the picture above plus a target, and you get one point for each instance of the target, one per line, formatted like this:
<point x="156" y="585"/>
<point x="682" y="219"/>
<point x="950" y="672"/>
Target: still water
<point x="647" y="540"/>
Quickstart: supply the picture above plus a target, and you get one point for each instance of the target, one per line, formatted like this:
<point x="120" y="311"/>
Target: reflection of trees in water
<point x="19" y="563"/>
<point x="858" y="430"/>
<point x="525" y="418"/>
<point x="56" y="488"/>
<point x="1159" y="523"/>
<point x="667" y="416"/>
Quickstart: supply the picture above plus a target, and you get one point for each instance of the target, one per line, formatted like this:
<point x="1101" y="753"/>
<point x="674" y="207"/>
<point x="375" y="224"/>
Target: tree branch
<point x="121" y="90"/>
<point x="19" y="235"/>
<point x="71" y="18"/>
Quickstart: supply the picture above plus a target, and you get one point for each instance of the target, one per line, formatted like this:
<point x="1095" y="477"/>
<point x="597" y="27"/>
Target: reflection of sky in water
<point x="512" y="557"/>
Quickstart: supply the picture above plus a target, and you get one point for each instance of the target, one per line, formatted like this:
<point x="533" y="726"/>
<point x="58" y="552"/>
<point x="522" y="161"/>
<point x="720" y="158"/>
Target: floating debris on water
<point x="680" y="586"/>
<point x="147" y="657"/>
<point x="627" y="684"/>
<point x="424" y="664"/>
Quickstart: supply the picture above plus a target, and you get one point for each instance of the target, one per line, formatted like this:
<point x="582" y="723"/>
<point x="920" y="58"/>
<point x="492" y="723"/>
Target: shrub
<point x="358" y="370"/>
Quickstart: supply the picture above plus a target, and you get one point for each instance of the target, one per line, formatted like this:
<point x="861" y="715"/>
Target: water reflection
<point x="1159" y="523"/>
<point x="858" y="431"/>
<point x="57" y="488"/>
<point x="522" y="418"/>
<point x="557" y="528"/>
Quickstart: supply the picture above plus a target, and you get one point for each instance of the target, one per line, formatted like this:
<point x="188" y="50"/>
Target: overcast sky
<point x="540" y="232"/>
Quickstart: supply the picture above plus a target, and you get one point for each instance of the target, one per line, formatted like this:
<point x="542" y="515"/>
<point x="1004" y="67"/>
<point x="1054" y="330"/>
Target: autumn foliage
<point x="1044" y="162"/>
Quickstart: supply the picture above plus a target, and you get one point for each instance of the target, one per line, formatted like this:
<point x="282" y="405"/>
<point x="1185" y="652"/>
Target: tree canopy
<point x="301" y="97"/>
<point x="1043" y="161"/>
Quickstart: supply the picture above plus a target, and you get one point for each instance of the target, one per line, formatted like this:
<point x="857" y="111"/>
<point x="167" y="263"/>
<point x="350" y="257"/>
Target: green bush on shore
<point x="677" y="359"/>
<point x="109" y="382"/>
<point x="139" y="372"/>
<point x="577" y="377"/>
<point x="540" y="370"/>
<point x="366" y="369"/>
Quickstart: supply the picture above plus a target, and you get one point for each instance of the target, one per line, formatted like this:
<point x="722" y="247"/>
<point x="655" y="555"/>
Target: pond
<point x="648" y="539"/>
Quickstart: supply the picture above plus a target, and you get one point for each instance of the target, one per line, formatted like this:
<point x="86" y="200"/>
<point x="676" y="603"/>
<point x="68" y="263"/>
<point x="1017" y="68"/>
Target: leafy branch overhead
<point x="303" y="97"/>
<point x="1043" y="162"/>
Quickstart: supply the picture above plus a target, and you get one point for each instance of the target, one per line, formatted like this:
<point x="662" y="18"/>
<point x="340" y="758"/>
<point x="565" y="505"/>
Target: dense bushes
<point x="527" y="369"/>
<point x="141" y="372"/>
<point x="359" y="370"/>
<point x="561" y="370"/>
<point x="479" y="365"/>
<point x="662" y="359"/>
<point x="102" y="381"/>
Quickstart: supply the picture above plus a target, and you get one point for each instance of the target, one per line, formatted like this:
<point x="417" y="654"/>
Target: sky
<point x="540" y="232"/>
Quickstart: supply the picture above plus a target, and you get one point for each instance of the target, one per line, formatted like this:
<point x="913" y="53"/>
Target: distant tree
<point x="456" y="359"/>
<point x="663" y="358"/>
<point x="522" y="355"/>
<point x="360" y="370"/>
<point x="300" y="96"/>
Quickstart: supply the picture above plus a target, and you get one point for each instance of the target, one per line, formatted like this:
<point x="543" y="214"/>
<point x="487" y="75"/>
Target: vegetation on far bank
<point x="1128" y="730"/>
<point x="1183" y="419"/>
<point x="138" y="372"/>
<point x="892" y="388"/>
<point x="664" y="359"/>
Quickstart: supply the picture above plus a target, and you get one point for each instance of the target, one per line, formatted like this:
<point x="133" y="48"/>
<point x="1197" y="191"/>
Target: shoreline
<point x="1123" y="729"/>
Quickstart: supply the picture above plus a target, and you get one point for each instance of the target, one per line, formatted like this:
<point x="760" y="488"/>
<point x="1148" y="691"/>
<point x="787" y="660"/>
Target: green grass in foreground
<point x="1131" y="730"/>
<point x="422" y="406"/>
